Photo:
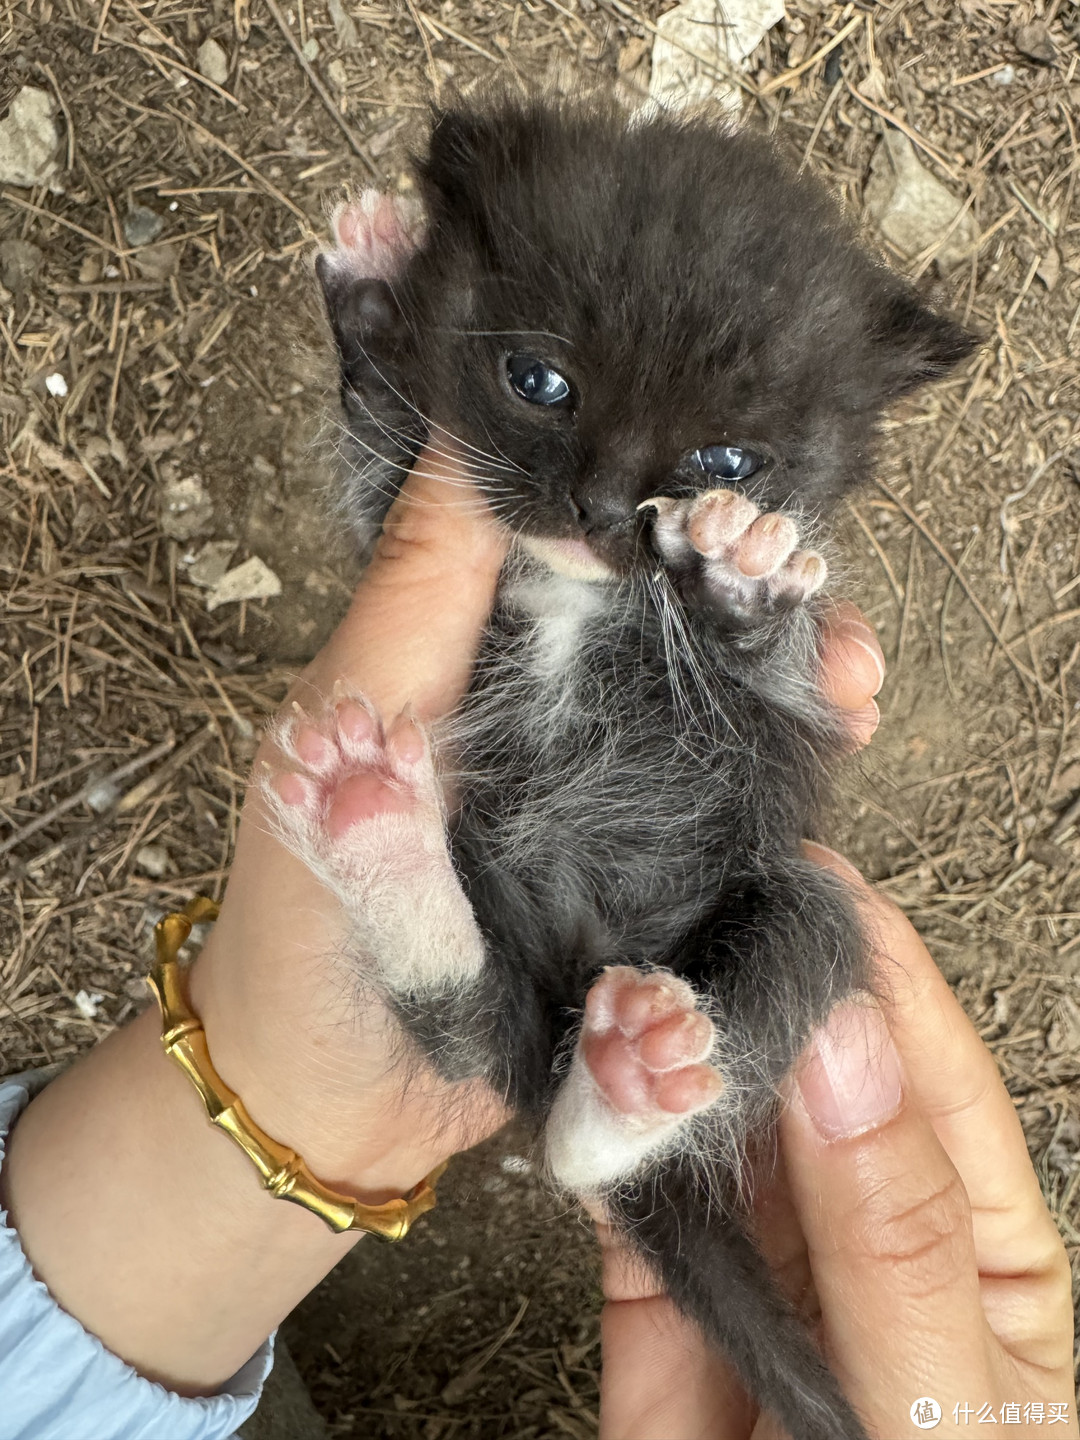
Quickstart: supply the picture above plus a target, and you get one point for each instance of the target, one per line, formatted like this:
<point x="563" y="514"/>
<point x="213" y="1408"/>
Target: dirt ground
<point x="165" y="275"/>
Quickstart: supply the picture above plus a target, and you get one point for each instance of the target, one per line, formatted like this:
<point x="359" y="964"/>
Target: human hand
<point x="288" y="1021"/>
<point x="904" y="1221"/>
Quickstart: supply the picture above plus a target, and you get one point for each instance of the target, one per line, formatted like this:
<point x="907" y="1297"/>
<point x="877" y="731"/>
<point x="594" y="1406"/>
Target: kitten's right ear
<point x="456" y="137"/>
<point x="363" y="312"/>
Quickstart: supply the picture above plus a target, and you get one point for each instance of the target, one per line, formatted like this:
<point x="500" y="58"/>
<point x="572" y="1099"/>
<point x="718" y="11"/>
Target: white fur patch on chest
<point x="560" y="609"/>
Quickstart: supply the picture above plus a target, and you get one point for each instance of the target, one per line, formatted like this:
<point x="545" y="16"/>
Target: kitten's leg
<point x="781" y="947"/>
<point x="742" y="564"/>
<point x="639" y="1074"/>
<point x="362" y="807"/>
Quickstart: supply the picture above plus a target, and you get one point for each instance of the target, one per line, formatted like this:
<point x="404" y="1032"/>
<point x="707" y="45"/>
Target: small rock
<point x="1005" y="76"/>
<point x="87" y="1002"/>
<point x="1049" y="270"/>
<point x="211" y="60"/>
<point x="253" y="580"/>
<point x="310" y="49"/>
<point x="210" y="564"/>
<point x="154" y="859"/>
<point x="142" y="225"/>
<point x="911" y="207"/>
<point x="19" y="264"/>
<point x="103" y="796"/>
<point x="56" y="385"/>
<point x="1034" y="41"/>
<point x="29" y="140"/>
<point x="158" y="262"/>
<point x="186" y="509"/>
<point x="337" y="74"/>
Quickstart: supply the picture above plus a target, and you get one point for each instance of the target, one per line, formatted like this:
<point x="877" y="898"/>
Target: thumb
<point x="887" y="1225"/>
<point x="410" y="635"/>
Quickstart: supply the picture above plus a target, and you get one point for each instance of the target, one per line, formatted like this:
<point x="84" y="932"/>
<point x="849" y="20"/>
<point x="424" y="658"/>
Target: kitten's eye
<point x="536" y="382"/>
<point x="727" y="462"/>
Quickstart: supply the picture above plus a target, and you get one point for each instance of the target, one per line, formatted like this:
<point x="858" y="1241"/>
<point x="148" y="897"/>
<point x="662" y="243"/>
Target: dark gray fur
<point x="645" y="805"/>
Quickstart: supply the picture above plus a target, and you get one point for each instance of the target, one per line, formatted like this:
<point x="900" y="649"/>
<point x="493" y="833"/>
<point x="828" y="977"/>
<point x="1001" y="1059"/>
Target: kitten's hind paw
<point x="747" y="565"/>
<point x="361" y="805"/>
<point x="639" y="1073"/>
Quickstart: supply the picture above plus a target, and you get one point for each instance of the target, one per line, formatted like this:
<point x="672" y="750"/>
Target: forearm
<point x="147" y="1225"/>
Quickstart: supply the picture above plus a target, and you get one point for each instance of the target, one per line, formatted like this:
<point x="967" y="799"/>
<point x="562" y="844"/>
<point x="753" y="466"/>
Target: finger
<point x="659" y="1377"/>
<point x="887" y="1224"/>
<point x="411" y="633"/>
<point x="953" y="1079"/>
<point x="852" y="668"/>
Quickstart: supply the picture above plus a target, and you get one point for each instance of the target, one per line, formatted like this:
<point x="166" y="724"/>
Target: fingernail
<point x="863" y="636"/>
<point x="849" y="1078"/>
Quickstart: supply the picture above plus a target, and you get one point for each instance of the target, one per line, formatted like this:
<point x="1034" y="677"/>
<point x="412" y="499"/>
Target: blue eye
<point x="727" y="462"/>
<point x="536" y="382"/>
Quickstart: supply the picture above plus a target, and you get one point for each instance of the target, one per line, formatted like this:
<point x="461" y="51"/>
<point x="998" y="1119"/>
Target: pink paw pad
<point x="344" y="769"/>
<point x="754" y="554"/>
<point x="646" y="1045"/>
<point x="375" y="234"/>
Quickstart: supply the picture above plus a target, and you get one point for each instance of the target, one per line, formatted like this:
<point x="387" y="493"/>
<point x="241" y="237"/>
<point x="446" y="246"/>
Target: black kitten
<point x="662" y="358"/>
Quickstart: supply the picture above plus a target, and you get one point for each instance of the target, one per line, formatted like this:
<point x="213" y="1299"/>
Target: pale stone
<point x="29" y="140"/>
<point x="912" y="208"/>
<point x="723" y="33"/>
<point x="253" y="580"/>
<point x="212" y="62"/>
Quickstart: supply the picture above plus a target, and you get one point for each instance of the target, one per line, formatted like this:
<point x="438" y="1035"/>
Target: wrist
<point x="322" y="1087"/>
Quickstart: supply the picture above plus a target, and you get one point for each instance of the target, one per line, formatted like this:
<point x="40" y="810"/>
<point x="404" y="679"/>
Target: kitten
<point x="663" y="358"/>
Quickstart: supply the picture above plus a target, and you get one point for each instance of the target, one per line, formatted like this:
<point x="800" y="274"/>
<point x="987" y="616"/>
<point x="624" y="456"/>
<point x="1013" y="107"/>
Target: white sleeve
<point x="59" y="1382"/>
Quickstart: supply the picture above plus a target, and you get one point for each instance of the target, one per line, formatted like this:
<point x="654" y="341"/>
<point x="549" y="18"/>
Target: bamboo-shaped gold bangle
<point x="280" y="1169"/>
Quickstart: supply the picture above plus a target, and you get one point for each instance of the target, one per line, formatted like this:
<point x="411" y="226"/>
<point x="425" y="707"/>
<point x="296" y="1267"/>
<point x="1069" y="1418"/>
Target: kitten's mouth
<point x="576" y="559"/>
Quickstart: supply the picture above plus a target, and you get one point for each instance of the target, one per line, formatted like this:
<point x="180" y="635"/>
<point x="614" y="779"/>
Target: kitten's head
<point x="618" y="309"/>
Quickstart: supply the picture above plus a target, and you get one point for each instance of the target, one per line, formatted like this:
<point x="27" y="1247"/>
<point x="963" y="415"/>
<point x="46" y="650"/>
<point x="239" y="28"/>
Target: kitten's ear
<point x="362" y="312"/>
<point x="456" y="136"/>
<point x="919" y="345"/>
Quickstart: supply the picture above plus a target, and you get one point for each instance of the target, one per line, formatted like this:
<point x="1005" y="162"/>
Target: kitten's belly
<point x="600" y="794"/>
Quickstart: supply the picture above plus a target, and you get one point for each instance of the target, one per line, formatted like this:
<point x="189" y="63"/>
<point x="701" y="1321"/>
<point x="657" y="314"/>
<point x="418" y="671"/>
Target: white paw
<point x="362" y="807"/>
<point x="639" y="1074"/>
<point x="750" y="559"/>
<point x="375" y="234"/>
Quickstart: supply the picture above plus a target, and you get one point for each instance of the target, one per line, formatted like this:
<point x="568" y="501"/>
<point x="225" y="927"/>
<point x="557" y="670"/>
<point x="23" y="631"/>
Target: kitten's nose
<point x="598" y="507"/>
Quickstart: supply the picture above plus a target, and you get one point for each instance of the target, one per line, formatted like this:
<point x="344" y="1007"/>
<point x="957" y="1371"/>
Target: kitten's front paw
<point x="640" y="1073"/>
<point x="746" y="565"/>
<point x="361" y="805"/>
<point x="375" y="234"/>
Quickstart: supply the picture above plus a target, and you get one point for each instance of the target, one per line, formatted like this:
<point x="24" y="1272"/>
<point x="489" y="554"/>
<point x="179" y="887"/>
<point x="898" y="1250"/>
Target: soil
<point x="203" y="355"/>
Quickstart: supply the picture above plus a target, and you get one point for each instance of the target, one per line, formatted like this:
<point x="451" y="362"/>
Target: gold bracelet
<point x="281" y="1170"/>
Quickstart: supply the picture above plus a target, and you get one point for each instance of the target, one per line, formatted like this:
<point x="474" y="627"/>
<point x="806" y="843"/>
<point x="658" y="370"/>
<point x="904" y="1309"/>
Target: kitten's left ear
<point x="919" y="345"/>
